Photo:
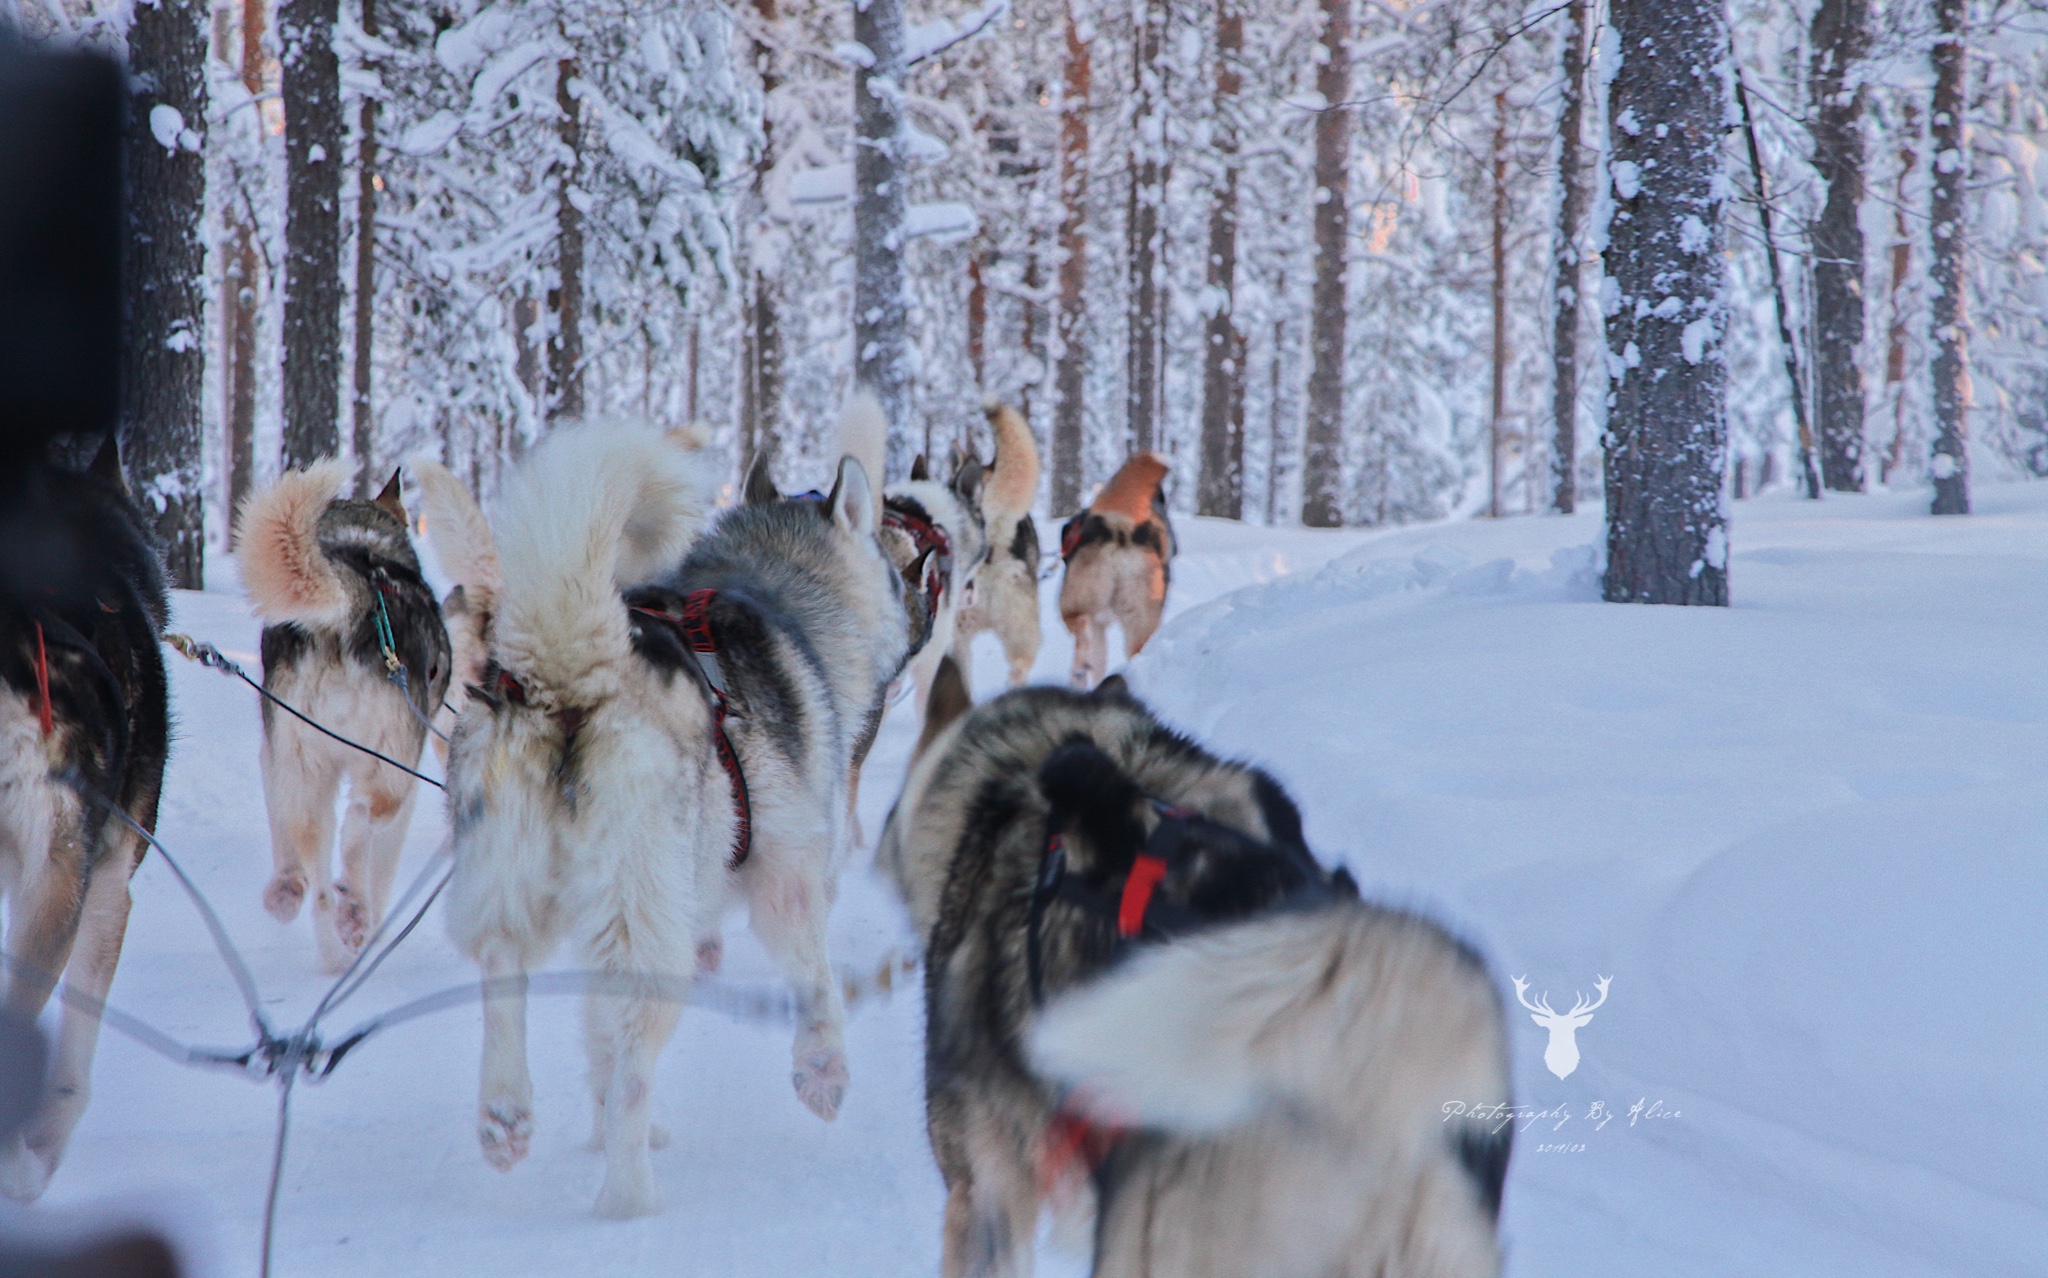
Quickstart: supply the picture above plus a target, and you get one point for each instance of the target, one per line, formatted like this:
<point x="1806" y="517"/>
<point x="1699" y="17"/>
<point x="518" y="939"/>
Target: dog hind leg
<point x="505" y="1103"/>
<point x="372" y="836"/>
<point x="600" y="1044"/>
<point x="298" y="795"/>
<point x="42" y="926"/>
<point x="788" y="905"/>
<point x="1091" y="649"/>
<point x="638" y="1028"/>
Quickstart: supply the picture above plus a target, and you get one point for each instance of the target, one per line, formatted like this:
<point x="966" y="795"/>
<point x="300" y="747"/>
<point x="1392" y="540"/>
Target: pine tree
<point x="312" y="281"/>
<point x="1070" y="320"/>
<point x="163" y="340"/>
<point x="1841" y="40"/>
<point x="881" y="317"/>
<point x="1146" y="360"/>
<point x="1949" y="137"/>
<point x="1322" y="478"/>
<point x="1573" y="200"/>
<point x="367" y="180"/>
<point x="1224" y="346"/>
<point x="1666" y="445"/>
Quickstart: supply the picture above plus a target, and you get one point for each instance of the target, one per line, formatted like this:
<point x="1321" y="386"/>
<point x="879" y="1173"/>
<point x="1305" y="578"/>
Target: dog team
<point x="1149" y="1006"/>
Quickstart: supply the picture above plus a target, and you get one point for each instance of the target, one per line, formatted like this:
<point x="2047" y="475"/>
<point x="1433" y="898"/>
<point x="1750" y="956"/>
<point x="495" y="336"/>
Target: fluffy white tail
<point x="593" y="510"/>
<point x="461" y="538"/>
<point x="864" y="435"/>
<point x="1014" y="485"/>
<point x="288" y="577"/>
<point x="1362" y="1017"/>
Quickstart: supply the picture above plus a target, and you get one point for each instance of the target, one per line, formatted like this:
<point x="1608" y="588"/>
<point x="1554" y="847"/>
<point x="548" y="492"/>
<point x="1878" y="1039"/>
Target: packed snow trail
<point x="1806" y="837"/>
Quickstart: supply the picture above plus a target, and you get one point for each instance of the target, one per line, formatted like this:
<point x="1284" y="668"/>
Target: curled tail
<point x="1372" y="1021"/>
<point x="594" y="510"/>
<point x="277" y="540"/>
<point x="459" y="534"/>
<point x="1014" y="484"/>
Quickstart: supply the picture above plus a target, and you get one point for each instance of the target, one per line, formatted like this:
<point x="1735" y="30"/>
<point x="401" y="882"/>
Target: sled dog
<point x="1145" y="997"/>
<point x="461" y="538"/>
<point x="84" y="724"/>
<point x="1004" y="594"/>
<point x="1119" y="555"/>
<point x="666" y="726"/>
<point x="353" y="639"/>
<point x="934" y="535"/>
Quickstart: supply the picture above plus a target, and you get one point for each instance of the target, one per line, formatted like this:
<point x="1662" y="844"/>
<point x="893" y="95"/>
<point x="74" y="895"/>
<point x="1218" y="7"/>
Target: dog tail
<point x="1369" y="1020"/>
<point x="1129" y="492"/>
<point x="864" y="435"/>
<point x="1014" y="485"/>
<point x="277" y="539"/>
<point x="594" y="510"/>
<point x="460" y="536"/>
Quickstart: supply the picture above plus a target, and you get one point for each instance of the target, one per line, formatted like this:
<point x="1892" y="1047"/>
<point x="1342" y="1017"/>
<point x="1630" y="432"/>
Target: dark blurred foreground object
<point x="121" y="1254"/>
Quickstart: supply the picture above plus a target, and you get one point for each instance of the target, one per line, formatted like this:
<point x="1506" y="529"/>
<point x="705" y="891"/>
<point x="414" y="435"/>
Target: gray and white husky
<point x="346" y="615"/>
<point x="666" y="727"/>
<point x="1145" y="999"/>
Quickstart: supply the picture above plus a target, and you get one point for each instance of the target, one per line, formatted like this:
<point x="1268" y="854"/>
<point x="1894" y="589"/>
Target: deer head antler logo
<point x="1562" y="1052"/>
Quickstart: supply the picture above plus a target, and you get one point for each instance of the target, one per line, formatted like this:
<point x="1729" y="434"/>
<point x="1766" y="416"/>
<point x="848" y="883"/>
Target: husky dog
<point x="668" y="724"/>
<point x="353" y="639"/>
<point x="84" y="727"/>
<point x="937" y="525"/>
<point x="1004" y="594"/>
<point x="1119" y="554"/>
<point x="1136" y="969"/>
<point x="462" y="543"/>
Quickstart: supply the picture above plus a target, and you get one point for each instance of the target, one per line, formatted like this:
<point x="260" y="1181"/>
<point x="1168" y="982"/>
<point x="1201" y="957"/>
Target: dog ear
<point x="919" y="470"/>
<point x="967" y="476"/>
<point x="106" y="463"/>
<point x="760" y="490"/>
<point x="1113" y="688"/>
<point x="387" y="500"/>
<point x="1093" y="797"/>
<point x="949" y="700"/>
<point x="852" y="502"/>
<point x="913" y="572"/>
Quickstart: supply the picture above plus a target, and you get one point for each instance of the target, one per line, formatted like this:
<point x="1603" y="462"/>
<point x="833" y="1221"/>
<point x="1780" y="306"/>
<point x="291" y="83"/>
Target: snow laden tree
<point x="1666" y="443"/>
<point x="1221" y="491"/>
<point x="556" y="217"/>
<point x="1841" y="41"/>
<point x="1322" y="500"/>
<point x="1574" y="197"/>
<point x="881" y="309"/>
<point x="312" y="230"/>
<point x="1071" y="311"/>
<point x="1949" y="135"/>
<point x="164" y="338"/>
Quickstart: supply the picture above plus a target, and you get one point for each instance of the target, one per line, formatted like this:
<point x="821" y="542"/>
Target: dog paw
<point x="821" y="1081"/>
<point x="626" y="1198"/>
<point x="283" y="897"/>
<point x="24" y="1175"/>
<point x="351" y="918"/>
<point x="710" y="953"/>
<point x="504" y="1129"/>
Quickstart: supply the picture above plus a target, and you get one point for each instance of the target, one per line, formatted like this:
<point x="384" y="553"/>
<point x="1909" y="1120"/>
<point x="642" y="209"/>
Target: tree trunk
<point x="1322" y="463"/>
<point x="881" y="319"/>
<point x="1809" y="462"/>
<point x="1575" y="195"/>
<point x="1841" y="40"/>
<point x="1027" y="392"/>
<point x="1221" y="491"/>
<point x="1498" y="417"/>
<point x="1666" y="442"/>
<point x="312" y="231"/>
<point x="565" y="351"/>
<point x="1144" y="383"/>
<point x="1070" y="379"/>
<point x="1950" y="139"/>
<point x="367" y="483"/>
<point x="977" y="319"/>
<point x="1902" y="265"/>
<point x="240" y="308"/>
<point x="163" y="341"/>
<point x="761" y="339"/>
<point x="1276" y="452"/>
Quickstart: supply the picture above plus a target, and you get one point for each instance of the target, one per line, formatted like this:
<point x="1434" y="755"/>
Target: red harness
<point x="925" y="536"/>
<point x="43" y="711"/>
<point x="698" y="640"/>
<point x="695" y="628"/>
<point x="1072" y="1141"/>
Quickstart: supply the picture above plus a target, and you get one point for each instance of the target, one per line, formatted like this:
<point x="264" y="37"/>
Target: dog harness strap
<point x="1070" y="536"/>
<point x="1146" y="872"/>
<point x="695" y="626"/>
<point x="43" y="711"/>
<point x="1072" y="1140"/>
<point x="926" y="535"/>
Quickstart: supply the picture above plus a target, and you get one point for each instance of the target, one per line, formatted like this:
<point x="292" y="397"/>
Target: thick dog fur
<point x="1005" y="591"/>
<point x="65" y="860"/>
<point x="1286" y="1060"/>
<point x="468" y="556"/>
<point x="1119" y="555"/>
<point x="593" y="807"/>
<point x="327" y="574"/>
<point x="955" y="508"/>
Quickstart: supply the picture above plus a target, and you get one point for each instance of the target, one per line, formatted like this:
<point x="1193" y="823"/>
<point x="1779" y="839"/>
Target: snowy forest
<point x="1339" y="262"/>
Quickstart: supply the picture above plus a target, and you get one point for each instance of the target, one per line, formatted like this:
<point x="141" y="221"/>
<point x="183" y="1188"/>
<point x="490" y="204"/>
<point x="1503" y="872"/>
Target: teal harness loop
<point x="387" y="639"/>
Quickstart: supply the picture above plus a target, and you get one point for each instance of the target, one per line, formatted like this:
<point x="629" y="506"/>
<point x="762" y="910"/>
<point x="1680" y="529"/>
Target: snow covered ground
<point x="1806" y="836"/>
